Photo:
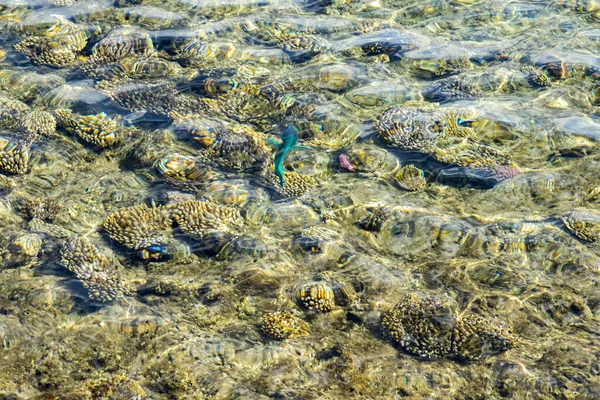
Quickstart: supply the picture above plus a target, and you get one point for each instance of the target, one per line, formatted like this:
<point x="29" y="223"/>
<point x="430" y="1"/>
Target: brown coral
<point x="184" y="171"/>
<point x="410" y="178"/>
<point x="99" y="130"/>
<point x="37" y="123"/>
<point x="41" y="50"/>
<point x="198" y="218"/>
<point x="317" y="296"/>
<point x="138" y="226"/>
<point x="427" y="327"/>
<point x="295" y="184"/>
<point x="14" y="156"/>
<point x="283" y="325"/>
<point x="583" y="224"/>
<point x="43" y="208"/>
<point x="93" y="269"/>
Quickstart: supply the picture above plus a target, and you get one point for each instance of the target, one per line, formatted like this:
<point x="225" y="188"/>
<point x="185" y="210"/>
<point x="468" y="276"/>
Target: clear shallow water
<point x="436" y="235"/>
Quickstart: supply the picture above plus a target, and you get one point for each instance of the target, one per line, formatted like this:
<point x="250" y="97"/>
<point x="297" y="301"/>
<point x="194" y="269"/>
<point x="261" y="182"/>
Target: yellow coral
<point x="295" y="183"/>
<point x="283" y="325"/>
<point x="99" y="130"/>
<point x="197" y="218"/>
<point x="138" y="226"/>
<point x="38" y="122"/>
<point x="93" y="269"/>
<point x="14" y="156"/>
<point x="319" y="297"/>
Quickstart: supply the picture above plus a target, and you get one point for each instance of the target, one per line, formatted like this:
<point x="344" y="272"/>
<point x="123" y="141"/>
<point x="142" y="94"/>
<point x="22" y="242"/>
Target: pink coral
<point x="345" y="163"/>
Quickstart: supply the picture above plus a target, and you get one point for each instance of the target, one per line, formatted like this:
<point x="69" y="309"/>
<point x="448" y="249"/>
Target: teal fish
<point x="289" y="139"/>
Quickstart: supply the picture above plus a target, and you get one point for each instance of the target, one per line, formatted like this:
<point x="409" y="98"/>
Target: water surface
<point x="436" y="235"/>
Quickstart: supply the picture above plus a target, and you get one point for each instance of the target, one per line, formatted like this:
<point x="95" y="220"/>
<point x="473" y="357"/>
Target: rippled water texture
<point x="429" y="227"/>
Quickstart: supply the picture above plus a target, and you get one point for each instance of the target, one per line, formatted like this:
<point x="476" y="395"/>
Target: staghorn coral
<point x="58" y="45"/>
<point x="11" y="109"/>
<point x="445" y="135"/>
<point x="63" y="116"/>
<point x="421" y="326"/>
<point x="475" y="338"/>
<point x="249" y="103"/>
<point x="159" y="97"/>
<point x="93" y="269"/>
<point x="451" y="89"/>
<point x="283" y="325"/>
<point x="120" y="43"/>
<point x="139" y="226"/>
<point x="41" y="50"/>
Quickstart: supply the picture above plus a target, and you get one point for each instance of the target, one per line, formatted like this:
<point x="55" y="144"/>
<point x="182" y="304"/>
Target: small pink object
<point x="345" y="163"/>
<point x="504" y="172"/>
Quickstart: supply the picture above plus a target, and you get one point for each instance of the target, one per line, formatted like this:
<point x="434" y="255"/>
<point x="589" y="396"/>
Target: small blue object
<point x="154" y="252"/>
<point x="465" y="122"/>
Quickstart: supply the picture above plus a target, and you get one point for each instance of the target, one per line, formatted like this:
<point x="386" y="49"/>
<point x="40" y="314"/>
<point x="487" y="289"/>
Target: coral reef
<point x="283" y="325"/>
<point x="201" y="218"/>
<point x="317" y="296"/>
<point x="93" y="269"/>
<point x="139" y="226"/>
<point x="428" y="328"/>
<point x="98" y="130"/>
<point x="14" y="156"/>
